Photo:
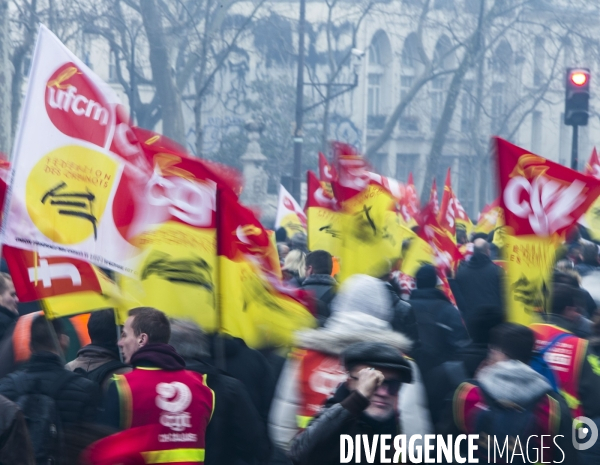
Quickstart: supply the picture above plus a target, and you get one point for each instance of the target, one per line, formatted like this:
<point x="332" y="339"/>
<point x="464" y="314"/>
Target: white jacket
<point x="341" y="331"/>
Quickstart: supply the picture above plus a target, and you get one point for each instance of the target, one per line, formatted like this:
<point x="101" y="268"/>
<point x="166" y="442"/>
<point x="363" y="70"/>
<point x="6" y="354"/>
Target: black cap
<point x="377" y="355"/>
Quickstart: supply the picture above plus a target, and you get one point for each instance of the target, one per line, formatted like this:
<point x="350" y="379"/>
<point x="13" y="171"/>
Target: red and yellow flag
<point x="323" y="218"/>
<point x="253" y="303"/>
<point x="371" y="232"/>
<point x="447" y="213"/>
<point x="541" y="201"/>
<point x="65" y="286"/>
<point x="177" y="270"/>
<point x="591" y="219"/>
<point x="433" y="197"/>
<point x="410" y="205"/>
<point x="490" y="218"/>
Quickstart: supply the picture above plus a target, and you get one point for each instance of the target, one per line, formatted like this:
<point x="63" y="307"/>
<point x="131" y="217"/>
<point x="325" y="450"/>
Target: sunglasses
<point x="392" y="385"/>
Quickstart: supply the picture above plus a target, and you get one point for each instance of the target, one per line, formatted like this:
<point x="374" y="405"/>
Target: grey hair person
<point x="188" y="339"/>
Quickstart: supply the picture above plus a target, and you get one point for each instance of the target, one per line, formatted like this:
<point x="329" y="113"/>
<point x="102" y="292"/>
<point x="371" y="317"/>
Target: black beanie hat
<point x="426" y="277"/>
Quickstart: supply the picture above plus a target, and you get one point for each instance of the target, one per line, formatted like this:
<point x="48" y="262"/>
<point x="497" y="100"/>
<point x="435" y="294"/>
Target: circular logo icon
<point x="67" y="192"/>
<point x="585" y="433"/>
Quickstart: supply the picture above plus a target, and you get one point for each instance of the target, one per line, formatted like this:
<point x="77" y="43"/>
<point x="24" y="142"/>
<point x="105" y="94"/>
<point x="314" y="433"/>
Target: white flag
<point x="289" y="214"/>
<point x="73" y="145"/>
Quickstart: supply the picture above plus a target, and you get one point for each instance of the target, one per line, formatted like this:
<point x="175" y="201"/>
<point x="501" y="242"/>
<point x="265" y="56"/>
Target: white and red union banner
<point x="540" y="197"/>
<point x="75" y="158"/>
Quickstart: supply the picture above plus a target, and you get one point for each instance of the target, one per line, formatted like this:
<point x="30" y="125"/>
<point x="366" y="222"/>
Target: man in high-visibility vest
<point x="159" y="396"/>
<point x="576" y="368"/>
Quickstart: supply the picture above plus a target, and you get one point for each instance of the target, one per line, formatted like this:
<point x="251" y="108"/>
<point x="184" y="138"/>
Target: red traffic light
<point x="578" y="78"/>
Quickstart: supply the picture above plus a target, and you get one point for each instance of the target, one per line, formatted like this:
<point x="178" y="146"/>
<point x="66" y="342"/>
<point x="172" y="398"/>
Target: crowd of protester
<point x="381" y="360"/>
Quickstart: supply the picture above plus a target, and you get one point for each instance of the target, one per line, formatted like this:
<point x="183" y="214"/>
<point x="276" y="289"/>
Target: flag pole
<point x="219" y="346"/>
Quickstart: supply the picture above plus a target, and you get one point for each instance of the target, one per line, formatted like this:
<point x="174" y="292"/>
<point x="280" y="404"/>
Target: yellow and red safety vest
<point x="319" y="376"/>
<point x="565" y="359"/>
<point x="179" y="403"/>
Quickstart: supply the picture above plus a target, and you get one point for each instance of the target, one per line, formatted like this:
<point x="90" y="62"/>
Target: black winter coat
<point x="236" y="434"/>
<point x="480" y="283"/>
<point x="251" y="368"/>
<point x="7" y="320"/>
<point x="15" y="445"/>
<point x="441" y="329"/>
<point x="404" y="320"/>
<point x="77" y="401"/>
<point x="319" y="444"/>
<point x="323" y="288"/>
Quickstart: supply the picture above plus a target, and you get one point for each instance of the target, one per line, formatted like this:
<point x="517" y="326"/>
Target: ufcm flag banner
<point x="70" y="154"/>
<point x="253" y="304"/>
<point x="541" y="200"/>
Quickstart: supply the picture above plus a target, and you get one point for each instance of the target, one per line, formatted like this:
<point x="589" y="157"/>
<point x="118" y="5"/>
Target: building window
<point x="112" y="67"/>
<point x="467" y="109"/>
<point x="409" y="120"/>
<point x="406" y="163"/>
<point x="437" y="101"/>
<point x="539" y="55"/>
<point x="378" y="161"/>
<point x="536" y="132"/>
<point x="374" y="97"/>
<point x="498" y="105"/>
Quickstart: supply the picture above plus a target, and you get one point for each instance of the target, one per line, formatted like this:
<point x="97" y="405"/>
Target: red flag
<point x="155" y="145"/>
<point x="326" y="171"/>
<point x="433" y="198"/>
<point x="446" y="253"/>
<point x="592" y="167"/>
<point x="37" y="278"/>
<point x="410" y="205"/>
<point x="538" y="196"/>
<point x="254" y="304"/>
<point x="241" y="236"/>
<point x="447" y="213"/>
<point x="350" y="166"/>
<point x="319" y="193"/>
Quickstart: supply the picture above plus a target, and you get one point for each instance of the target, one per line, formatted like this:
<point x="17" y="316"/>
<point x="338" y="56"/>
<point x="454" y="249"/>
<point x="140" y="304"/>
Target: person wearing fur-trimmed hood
<point x="361" y="312"/>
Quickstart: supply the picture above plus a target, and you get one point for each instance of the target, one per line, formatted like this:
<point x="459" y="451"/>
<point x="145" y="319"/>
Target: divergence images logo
<point x="173" y="398"/>
<point x="584" y="430"/>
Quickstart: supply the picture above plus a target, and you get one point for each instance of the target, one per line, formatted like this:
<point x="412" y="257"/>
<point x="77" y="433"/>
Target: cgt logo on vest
<point x="173" y="398"/>
<point x="75" y="107"/>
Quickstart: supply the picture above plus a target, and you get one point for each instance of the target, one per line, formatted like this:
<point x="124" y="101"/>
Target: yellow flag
<point x="253" y="304"/>
<point x="419" y="253"/>
<point x="324" y="221"/>
<point x="529" y="264"/>
<point x="177" y="273"/>
<point x="371" y="239"/>
<point x="592" y="220"/>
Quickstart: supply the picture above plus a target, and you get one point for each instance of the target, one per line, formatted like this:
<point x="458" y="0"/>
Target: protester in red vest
<point x="576" y="368"/>
<point x="509" y="400"/>
<point x="159" y="396"/>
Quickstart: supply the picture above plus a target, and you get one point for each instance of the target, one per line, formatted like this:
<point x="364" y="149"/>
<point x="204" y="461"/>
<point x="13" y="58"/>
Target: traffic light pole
<point x="574" y="149"/>
<point x="298" y="135"/>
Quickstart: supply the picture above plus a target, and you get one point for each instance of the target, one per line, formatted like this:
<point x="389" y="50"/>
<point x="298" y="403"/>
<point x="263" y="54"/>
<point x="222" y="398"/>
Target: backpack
<point x="539" y="364"/>
<point x="500" y="421"/>
<point x="42" y="415"/>
<point x="98" y="375"/>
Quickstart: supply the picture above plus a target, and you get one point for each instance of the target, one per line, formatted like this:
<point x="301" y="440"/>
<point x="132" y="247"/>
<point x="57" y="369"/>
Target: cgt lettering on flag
<point x="540" y="197"/>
